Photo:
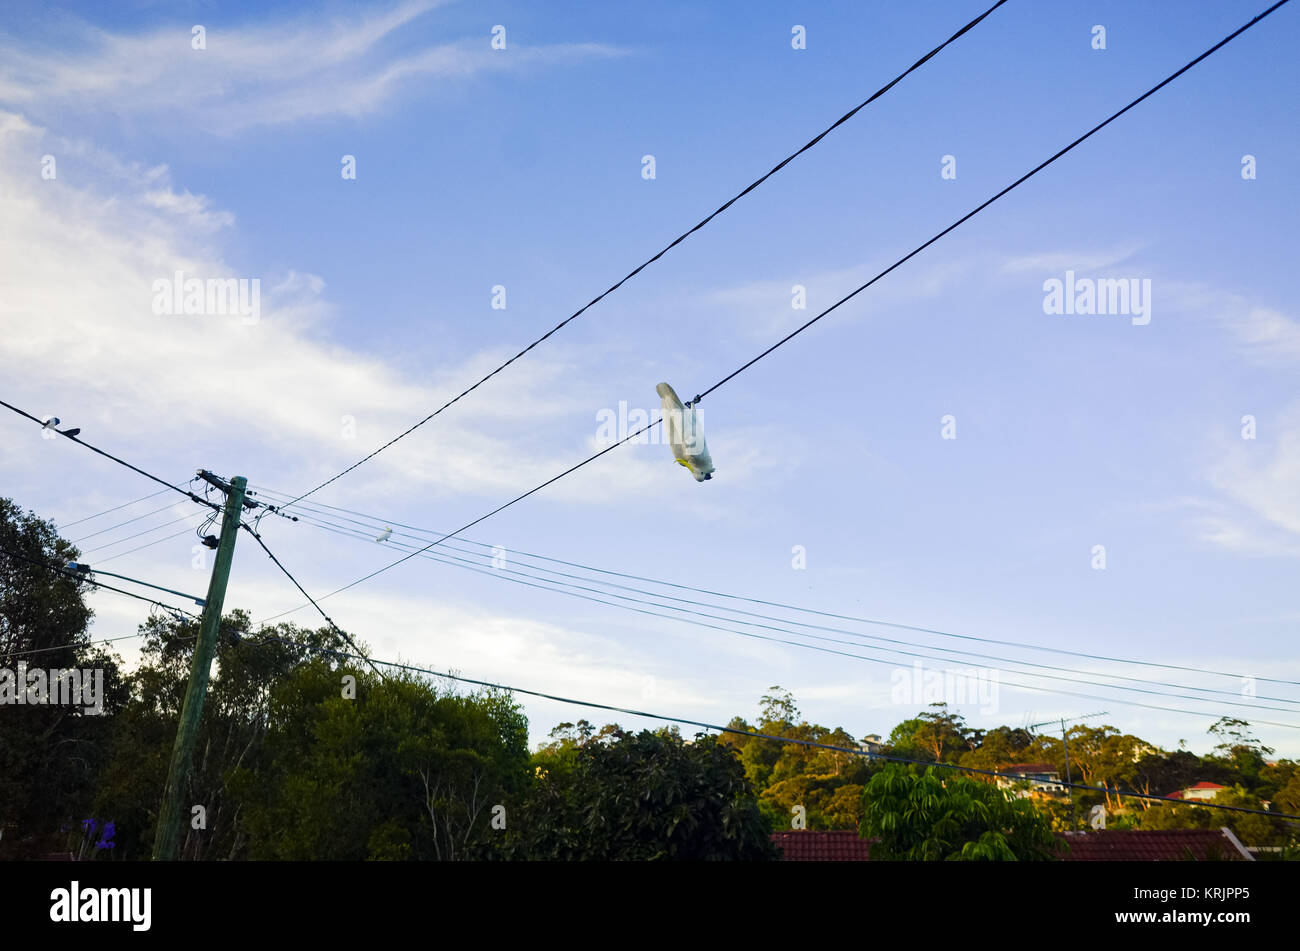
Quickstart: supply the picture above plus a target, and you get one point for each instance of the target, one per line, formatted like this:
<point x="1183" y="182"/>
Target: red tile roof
<point x="808" y="845"/>
<point x="1154" y="845"/>
<point x="1108" y="845"/>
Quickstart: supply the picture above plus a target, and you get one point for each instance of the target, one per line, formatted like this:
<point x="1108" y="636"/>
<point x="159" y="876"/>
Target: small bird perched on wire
<point x="53" y="423"/>
<point x="386" y="534"/>
<point x="685" y="437"/>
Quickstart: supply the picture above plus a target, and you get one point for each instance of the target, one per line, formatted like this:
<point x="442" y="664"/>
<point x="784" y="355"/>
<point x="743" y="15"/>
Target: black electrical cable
<point x="78" y="576"/>
<point x="887" y="757"/>
<point x="1024" y="178"/>
<point x="115" y="508"/>
<point x="562" y="587"/>
<point x="672" y="244"/>
<point x="499" y="573"/>
<point x="328" y="620"/>
<point x="131" y="551"/>
<point x="109" y="455"/>
<point x="375" y="523"/>
<point x="78" y="541"/>
<point x="106" y="640"/>
<point x="734" y="373"/>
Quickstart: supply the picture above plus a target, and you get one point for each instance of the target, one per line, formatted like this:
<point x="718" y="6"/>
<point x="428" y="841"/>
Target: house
<point x="1043" y="779"/>
<point x="871" y="743"/>
<point x="1199" y="791"/>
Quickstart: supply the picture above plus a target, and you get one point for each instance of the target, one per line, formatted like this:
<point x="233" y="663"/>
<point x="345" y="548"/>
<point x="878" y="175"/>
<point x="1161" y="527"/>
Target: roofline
<point x="1245" y="853"/>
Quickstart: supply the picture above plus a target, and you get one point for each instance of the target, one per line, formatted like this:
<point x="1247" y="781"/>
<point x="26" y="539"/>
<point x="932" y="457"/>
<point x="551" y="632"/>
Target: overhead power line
<point x="887" y="757"/>
<point x="88" y="569"/>
<point x="375" y="523"/>
<point x="115" y="508"/>
<point x="562" y="588"/>
<point x="672" y="244"/>
<point x="146" y="531"/>
<point x="630" y="436"/>
<point x="78" y="576"/>
<point x="328" y="620"/>
<point x="105" y="640"/>
<point x="131" y="551"/>
<point x="975" y="211"/>
<point x="503" y="573"/>
<point x="78" y="541"/>
<point x="109" y="455"/>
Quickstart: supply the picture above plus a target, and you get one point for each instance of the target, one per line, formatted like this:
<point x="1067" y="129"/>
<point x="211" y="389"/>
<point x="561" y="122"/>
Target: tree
<point x="1239" y="747"/>
<point x="50" y="753"/>
<point x="1250" y="828"/>
<point x="998" y="747"/>
<point x="933" y="734"/>
<point x="237" y="714"/>
<point x="1159" y="774"/>
<point x="785" y="775"/>
<point x="778" y="709"/>
<point x="401" y="770"/>
<point x="639" y="796"/>
<point x="934" y="816"/>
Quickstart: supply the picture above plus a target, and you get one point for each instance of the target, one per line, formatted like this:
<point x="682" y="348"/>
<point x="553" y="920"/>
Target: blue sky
<point x="522" y="167"/>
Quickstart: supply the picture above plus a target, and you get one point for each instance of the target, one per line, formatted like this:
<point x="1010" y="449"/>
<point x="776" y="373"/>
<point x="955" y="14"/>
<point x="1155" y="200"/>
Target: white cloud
<point x="77" y="264"/>
<point x="1263" y="482"/>
<point x="764" y="308"/>
<point x="193" y="209"/>
<point x="1055" y="262"/>
<point x="305" y="68"/>
<point x="1266" y="335"/>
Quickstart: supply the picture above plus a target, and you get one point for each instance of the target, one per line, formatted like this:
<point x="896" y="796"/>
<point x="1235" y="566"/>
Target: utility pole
<point x="1065" y="743"/>
<point x="167" y="836"/>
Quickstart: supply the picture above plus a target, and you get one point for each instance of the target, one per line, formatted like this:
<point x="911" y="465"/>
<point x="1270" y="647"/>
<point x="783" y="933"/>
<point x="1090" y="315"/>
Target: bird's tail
<point x="669" y="397"/>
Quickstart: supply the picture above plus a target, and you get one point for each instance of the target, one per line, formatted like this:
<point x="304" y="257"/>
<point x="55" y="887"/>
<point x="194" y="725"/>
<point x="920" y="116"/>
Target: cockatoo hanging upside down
<point x="685" y="437"/>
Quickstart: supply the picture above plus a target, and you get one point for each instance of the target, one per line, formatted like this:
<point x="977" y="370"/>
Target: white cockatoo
<point x="386" y="534"/>
<point x="685" y="436"/>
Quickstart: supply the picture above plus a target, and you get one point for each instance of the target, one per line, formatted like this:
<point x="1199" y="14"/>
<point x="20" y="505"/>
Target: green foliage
<point x="1251" y="829"/>
<point x="826" y="783"/>
<point x="288" y="768"/>
<point x="403" y="771"/>
<point x="639" y="796"/>
<point x="1239" y="747"/>
<point x="925" y="816"/>
<point x="937" y="735"/>
<point x="50" y="755"/>
<point x="236" y="715"/>
<point x="998" y="747"/>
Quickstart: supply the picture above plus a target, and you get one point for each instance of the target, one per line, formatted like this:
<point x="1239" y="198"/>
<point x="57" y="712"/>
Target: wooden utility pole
<point x="167" y="836"/>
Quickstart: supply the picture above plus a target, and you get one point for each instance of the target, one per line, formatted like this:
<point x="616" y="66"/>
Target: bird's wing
<point x="673" y="411"/>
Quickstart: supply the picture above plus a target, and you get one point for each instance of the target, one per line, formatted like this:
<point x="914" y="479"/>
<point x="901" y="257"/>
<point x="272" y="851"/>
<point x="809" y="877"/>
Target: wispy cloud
<point x="1053" y="262"/>
<point x="1266" y="335"/>
<point x="260" y="75"/>
<point x="1266" y="483"/>
<point x="78" y="262"/>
